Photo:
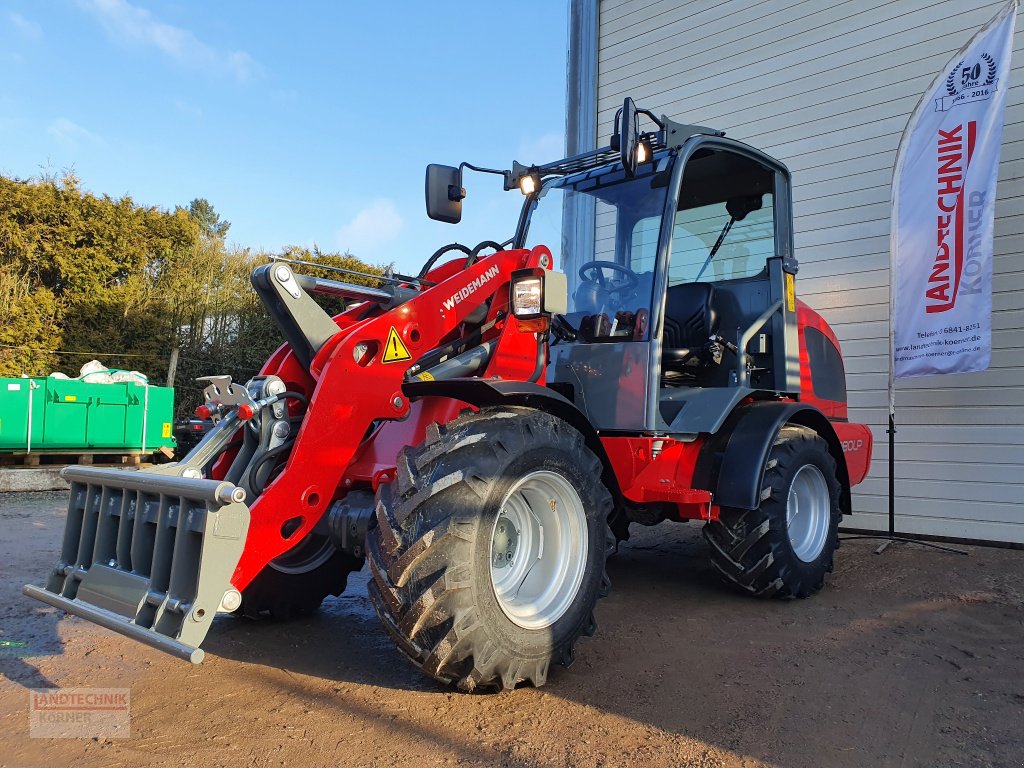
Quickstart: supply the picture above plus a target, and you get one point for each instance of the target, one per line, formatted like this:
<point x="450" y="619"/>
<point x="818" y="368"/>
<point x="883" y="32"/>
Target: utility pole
<point x="172" y="366"/>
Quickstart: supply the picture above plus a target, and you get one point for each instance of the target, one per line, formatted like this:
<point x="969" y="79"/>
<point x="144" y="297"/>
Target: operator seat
<point x="690" y="322"/>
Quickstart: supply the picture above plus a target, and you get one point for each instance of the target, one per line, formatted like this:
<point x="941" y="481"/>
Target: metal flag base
<point x="889" y="539"/>
<point x="892" y="537"/>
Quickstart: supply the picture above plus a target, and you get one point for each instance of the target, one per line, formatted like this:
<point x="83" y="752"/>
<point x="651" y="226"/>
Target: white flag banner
<point x="943" y="203"/>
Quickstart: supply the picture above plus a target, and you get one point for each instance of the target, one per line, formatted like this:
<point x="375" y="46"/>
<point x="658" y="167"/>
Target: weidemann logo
<point x="461" y="295"/>
<point x="957" y="265"/>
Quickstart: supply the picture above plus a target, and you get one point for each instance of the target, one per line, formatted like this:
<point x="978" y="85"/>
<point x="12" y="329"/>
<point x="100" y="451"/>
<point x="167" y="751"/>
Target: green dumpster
<point x="67" y="415"/>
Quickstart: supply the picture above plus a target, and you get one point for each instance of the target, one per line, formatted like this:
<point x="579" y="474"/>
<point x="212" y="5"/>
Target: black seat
<point x="690" y="322"/>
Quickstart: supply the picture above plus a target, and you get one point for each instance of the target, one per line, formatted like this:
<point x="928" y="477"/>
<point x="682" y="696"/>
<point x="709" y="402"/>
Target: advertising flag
<point x="943" y="203"/>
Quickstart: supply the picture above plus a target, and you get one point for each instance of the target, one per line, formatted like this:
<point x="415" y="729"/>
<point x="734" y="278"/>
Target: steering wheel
<point x="475" y="253"/>
<point x="441" y="252"/>
<point x="596" y="268"/>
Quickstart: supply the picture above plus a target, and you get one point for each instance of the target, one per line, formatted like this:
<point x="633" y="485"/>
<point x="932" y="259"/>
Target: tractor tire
<point x="297" y="582"/>
<point x="489" y="552"/>
<point x="784" y="548"/>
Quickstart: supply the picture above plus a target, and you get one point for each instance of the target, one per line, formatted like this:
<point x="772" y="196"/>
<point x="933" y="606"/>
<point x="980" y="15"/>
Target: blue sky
<point x="301" y="122"/>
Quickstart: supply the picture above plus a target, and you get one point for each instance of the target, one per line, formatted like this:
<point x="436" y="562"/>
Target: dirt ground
<point x="910" y="658"/>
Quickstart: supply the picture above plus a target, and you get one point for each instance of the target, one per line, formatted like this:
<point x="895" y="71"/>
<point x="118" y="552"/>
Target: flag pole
<point x="897" y="168"/>
<point x="891" y="431"/>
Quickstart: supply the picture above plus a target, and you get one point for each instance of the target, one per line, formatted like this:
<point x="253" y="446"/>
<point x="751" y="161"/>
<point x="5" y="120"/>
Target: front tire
<point x="489" y="551"/>
<point x="785" y="547"/>
<point x="297" y="582"/>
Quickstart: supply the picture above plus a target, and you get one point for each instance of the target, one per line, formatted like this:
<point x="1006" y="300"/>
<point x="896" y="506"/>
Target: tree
<point x="210" y="223"/>
<point x="77" y="269"/>
<point x="28" y="326"/>
<point x="90" y="275"/>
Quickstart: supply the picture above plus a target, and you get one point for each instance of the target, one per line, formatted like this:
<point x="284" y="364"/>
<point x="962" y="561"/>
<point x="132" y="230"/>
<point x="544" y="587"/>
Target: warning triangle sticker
<point x="395" y="351"/>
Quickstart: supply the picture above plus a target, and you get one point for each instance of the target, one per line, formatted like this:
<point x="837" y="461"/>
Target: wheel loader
<point x="480" y="435"/>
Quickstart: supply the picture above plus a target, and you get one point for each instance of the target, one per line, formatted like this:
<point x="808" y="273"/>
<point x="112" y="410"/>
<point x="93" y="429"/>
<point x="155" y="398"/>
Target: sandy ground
<point x="910" y="658"/>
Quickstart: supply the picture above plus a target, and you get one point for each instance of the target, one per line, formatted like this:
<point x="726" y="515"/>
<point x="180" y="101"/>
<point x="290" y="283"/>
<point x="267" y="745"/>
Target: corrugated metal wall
<point x="828" y="89"/>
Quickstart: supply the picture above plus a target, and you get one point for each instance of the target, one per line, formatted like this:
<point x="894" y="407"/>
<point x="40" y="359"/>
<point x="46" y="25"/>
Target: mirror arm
<point x="511" y="180"/>
<point x="656" y="121"/>
<point x="478" y="169"/>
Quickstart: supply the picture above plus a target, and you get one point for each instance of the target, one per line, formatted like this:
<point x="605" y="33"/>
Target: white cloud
<point x="541" y="149"/>
<point x="70" y="134"/>
<point x="28" y="28"/>
<point x="132" y="25"/>
<point x="242" y="65"/>
<point x="376" y="224"/>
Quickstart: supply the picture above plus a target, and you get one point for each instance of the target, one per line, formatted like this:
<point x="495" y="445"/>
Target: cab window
<point x="743" y="252"/>
<point x="724" y="227"/>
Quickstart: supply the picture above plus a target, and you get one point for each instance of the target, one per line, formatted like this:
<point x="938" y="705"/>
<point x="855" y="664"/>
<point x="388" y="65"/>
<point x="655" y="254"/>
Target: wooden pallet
<point x="62" y="458"/>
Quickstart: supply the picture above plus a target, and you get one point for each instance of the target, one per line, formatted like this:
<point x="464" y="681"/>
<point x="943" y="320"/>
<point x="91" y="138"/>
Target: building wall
<point x="828" y="88"/>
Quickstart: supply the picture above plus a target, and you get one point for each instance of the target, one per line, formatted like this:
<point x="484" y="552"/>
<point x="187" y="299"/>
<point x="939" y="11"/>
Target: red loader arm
<point x="352" y="391"/>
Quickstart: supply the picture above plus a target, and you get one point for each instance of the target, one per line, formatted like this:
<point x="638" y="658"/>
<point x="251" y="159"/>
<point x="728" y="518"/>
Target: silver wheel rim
<point x="538" y="550"/>
<point x="808" y="513"/>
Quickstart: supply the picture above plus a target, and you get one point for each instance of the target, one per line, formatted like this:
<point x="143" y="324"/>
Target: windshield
<point x="602" y="229"/>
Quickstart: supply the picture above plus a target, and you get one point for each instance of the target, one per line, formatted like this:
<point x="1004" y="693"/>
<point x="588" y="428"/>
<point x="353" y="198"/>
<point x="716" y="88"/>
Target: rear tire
<point x="784" y="548"/>
<point x="297" y="582"/>
<point x="483" y="496"/>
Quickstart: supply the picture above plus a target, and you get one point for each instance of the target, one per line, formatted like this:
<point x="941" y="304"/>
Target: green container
<point x="74" y="416"/>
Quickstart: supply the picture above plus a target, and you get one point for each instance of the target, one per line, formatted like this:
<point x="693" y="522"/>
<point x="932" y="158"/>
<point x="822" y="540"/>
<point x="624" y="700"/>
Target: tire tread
<point x="422" y="528"/>
<point x="749" y="548"/>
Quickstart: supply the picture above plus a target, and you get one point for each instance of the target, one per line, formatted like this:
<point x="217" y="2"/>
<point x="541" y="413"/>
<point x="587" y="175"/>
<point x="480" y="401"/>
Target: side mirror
<point x="444" y="193"/>
<point x="740" y="207"/>
<point x="629" y="135"/>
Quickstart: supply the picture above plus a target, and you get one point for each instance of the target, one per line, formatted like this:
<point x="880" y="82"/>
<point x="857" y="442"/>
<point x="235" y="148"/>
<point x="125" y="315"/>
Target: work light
<point x="538" y="293"/>
<point x="528" y="297"/>
<point x="643" y="151"/>
<point x="528" y="184"/>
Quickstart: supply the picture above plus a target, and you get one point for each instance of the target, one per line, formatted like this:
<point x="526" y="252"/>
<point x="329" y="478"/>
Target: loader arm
<point x="351" y="394"/>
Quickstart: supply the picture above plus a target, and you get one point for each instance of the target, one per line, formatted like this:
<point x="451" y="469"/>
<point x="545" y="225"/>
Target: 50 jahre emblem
<point x="973" y="79"/>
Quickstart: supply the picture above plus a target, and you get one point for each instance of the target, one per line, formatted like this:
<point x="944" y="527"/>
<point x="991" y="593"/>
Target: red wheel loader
<point x="481" y="434"/>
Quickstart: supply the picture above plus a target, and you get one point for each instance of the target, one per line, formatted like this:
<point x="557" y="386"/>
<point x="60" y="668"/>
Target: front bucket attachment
<point x="148" y="555"/>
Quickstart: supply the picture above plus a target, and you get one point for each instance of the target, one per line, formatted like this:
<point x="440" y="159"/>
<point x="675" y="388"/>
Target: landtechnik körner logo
<point x="974" y="79"/>
<point x="79" y="713"/>
<point x="957" y="266"/>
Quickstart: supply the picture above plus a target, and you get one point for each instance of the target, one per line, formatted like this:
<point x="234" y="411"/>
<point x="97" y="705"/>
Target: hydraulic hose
<point x="254" y="470"/>
<point x="538" y="370"/>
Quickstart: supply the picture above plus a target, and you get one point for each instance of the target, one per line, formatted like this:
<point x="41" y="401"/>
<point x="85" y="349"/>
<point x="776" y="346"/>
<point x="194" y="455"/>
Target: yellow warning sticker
<point x="394" y="350"/>
<point x="70" y="398"/>
<point x="425" y="376"/>
<point x="166" y="431"/>
<point x="790" y="293"/>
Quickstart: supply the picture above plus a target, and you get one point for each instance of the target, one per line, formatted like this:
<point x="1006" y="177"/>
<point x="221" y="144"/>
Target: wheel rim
<point x="538" y="550"/>
<point x="808" y="513"/>
<point x="309" y="554"/>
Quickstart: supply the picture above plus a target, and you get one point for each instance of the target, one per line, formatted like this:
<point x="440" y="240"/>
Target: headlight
<point x="529" y="184"/>
<point x="538" y="293"/>
<point x="528" y="297"/>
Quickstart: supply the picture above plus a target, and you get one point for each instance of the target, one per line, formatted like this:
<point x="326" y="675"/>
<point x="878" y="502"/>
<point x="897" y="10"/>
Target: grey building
<point x="828" y="87"/>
